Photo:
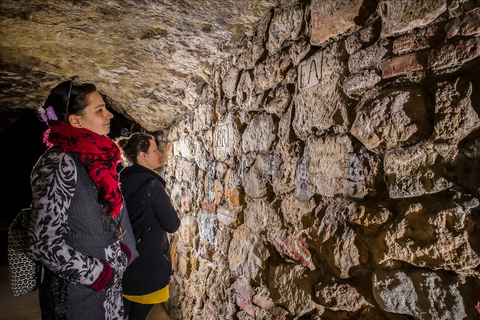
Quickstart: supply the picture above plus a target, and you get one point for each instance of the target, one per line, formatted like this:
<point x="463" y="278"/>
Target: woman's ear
<point x="74" y="121"/>
<point x="142" y="155"/>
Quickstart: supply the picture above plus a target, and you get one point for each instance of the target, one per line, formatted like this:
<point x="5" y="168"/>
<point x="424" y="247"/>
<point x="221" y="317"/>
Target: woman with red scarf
<point x="75" y="231"/>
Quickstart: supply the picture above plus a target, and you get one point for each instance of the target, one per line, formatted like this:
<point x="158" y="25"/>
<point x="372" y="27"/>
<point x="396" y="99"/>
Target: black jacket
<point x="152" y="216"/>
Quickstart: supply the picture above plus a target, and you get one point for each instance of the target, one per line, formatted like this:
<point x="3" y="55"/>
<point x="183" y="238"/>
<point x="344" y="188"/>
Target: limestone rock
<point x="413" y="171"/>
<point x="412" y="293"/>
<point x="290" y="289"/>
<point x="278" y="100"/>
<point x="286" y="24"/>
<point x="392" y="119"/>
<point x="340" y="297"/>
<point x="431" y="234"/>
<point x="283" y="179"/>
<point x="245" y="90"/>
<point x="271" y="71"/>
<point x="298" y="214"/>
<point x="256" y="178"/>
<point x="247" y="254"/>
<point x="369" y="57"/>
<point x="331" y="158"/>
<point x="208" y="227"/>
<point x="402" y="16"/>
<point x="356" y="84"/>
<point x="258" y="135"/>
<point x="226" y="138"/>
<point x="320" y="102"/>
<point x="261" y="216"/>
<point x="455" y="116"/>
<point x="153" y="67"/>
<point x="332" y="19"/>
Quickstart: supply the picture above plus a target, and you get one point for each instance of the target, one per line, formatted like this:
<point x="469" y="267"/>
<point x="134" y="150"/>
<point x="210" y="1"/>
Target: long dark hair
<point x="71" y="92"/>
<point x="132" y="145"/>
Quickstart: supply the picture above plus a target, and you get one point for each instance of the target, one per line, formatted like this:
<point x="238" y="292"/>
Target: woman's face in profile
<point x="153" y="156"/>
<point x="96" y="117"/>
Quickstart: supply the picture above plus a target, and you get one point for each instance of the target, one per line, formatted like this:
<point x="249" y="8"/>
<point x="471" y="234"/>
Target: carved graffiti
<point x="310" y="72"/>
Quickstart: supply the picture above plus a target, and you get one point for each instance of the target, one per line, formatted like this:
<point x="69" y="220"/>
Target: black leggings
<point x="136" y="311"/>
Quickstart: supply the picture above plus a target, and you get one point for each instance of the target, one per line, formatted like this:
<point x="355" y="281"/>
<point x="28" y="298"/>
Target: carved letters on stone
<point x="225" y="139"/>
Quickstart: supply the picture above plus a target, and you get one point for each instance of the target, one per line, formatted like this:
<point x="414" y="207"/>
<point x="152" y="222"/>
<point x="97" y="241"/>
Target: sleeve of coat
<point x="53" y="186"/>
<point x="162" y="206"/>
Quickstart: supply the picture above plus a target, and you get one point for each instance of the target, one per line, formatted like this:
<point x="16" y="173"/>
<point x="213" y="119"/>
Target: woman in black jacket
<point x="145" y="282"/>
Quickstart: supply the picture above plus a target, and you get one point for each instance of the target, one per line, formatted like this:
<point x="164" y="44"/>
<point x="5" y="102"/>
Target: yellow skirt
<point x="159" y="296"/>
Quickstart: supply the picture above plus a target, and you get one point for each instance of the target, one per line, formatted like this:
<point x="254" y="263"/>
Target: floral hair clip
<point x="47" y="114"/>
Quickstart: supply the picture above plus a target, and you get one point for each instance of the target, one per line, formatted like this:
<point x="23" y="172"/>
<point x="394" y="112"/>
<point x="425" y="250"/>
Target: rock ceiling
<point x="151" y="57"/>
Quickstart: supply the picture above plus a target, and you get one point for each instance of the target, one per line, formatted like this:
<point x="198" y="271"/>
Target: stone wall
<point x="331" y="168"/>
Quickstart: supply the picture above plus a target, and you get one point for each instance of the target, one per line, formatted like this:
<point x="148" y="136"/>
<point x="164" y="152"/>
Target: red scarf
<point x="99" y="154"/>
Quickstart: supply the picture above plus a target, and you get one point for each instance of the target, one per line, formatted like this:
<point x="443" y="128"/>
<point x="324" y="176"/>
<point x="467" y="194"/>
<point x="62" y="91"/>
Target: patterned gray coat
<point x="71" y="235"/>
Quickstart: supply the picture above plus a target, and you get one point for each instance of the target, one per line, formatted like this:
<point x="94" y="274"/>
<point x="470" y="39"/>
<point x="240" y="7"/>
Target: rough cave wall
<point x="330" y="169"/>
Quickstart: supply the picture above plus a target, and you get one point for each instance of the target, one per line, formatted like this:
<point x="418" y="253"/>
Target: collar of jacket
<point x="138" y="168"/>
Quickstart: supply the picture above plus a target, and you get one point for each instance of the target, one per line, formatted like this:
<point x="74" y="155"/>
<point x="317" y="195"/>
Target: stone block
<point x="346" y="253"/>
<point x="332" y="19"/>
<point x="205" y="250"/>
<point x="418" y="39"/>
<point x="271" y="71"/>
<point x="246" y="96"/>
<point x="230" y="81"/>
<point x="363" y="37"/>
<point x="254" y="182"/>
<point x="263" y="301"/>
<point x="184" y="266"/>
<point x="260" y="216"/>
<point x="454" y="54"/>
<point x="244" y="290"/>
<point x="232" y="193"/>
<point x="299" y="50"/>
<point x="289" y="289"/>
<point x="419" y="290"/>
<point x="278" y="100"/>
<point x="208" y="227"/>
<point x="286" y="24"/>
<point x="340" y="297"/>
<point x="371" y="216"/>
<point x="320" y="104"/>
<point x="332" y="158"/>
<point x="285" y="164"/>
<point x="414" y="171"/>
<point x="401" y="65"/>
<point x="245" y="306"/>
<point x="431" y="233"/>
<point x="392" y="118"/>
<point x="188" y="230"/>
<point x="202" y="156"/>
<point x="185" y="147"/>
<point x="291" y="246"/>
<point x="369" y="57"/>
<point x="218" y="189"/>
<point x="304" y="190"/>
<point x="404" y="15"/>
<point x="464" y="25"/>
<point x="455" y="115"/>
<point x="356" y="84"/>
<point x="203" y="113"/>
<point x="299" y="214"/>
<point x="259" y="134"/>
<point x="230" y="217"/>
<point x="211" y="207"/>
<point x="247" y="254"/>
<point x="253" y="50"/>
<point x="337" y="214"/>
<point x="226" y="138"/>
